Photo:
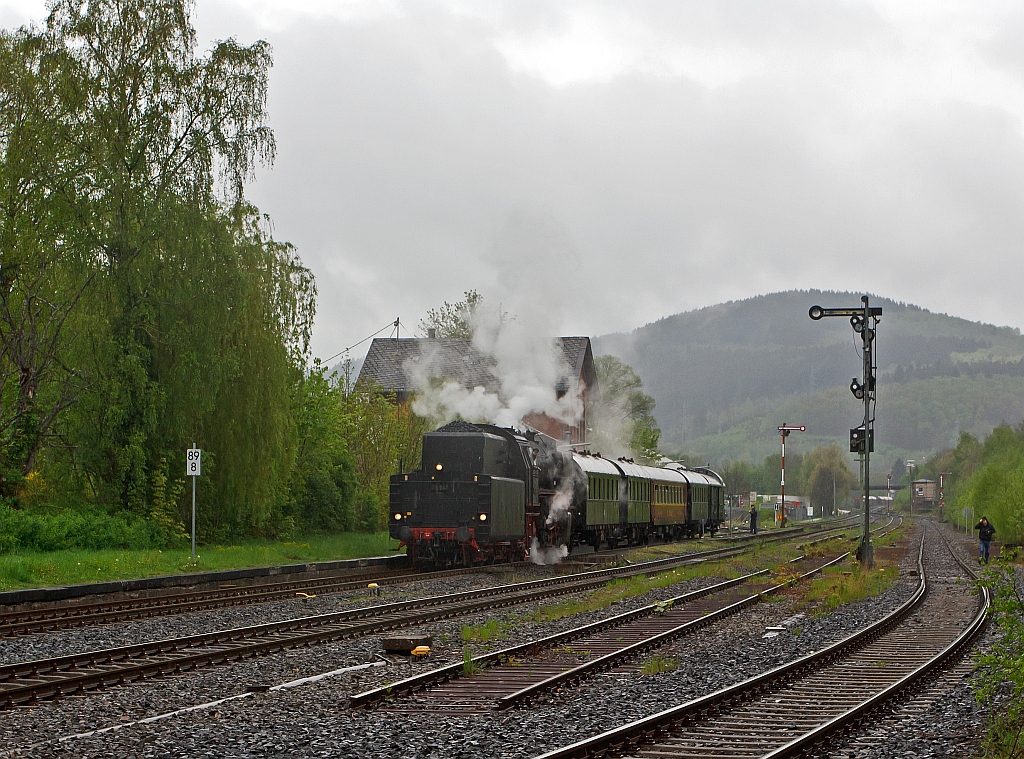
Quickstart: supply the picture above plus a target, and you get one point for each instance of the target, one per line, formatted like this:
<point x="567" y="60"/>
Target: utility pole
<point x="864" y="321"/>
<point x="784" y="430"/>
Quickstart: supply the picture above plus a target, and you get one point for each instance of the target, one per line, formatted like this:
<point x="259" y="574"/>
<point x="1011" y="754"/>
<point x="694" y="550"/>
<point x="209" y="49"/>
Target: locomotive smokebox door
<point x="462" y="534"/>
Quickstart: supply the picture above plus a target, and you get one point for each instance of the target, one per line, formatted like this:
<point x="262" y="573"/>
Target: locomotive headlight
<point x="398" y="517"/>
<point x="483" y="517"/>
<point x="439" y="467"/>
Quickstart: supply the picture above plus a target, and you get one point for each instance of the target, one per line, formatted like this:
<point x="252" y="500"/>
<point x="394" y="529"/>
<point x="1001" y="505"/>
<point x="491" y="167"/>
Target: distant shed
<point x="924" y="494"/>
<point x="389" y="361"/>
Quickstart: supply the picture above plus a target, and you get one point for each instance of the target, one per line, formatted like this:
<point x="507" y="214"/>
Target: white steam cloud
<point x="561" y="501"/>
<point x="543" y="555"/>
<point x="538" y="272"/>
<point x="526" y="362"/>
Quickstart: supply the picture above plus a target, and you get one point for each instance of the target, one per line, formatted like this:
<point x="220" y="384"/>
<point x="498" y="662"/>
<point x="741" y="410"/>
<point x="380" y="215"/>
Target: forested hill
<point x="726" y="376"/>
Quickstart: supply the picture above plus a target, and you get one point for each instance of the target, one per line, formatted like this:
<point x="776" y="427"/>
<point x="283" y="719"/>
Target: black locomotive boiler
<point x="491" y="494"/>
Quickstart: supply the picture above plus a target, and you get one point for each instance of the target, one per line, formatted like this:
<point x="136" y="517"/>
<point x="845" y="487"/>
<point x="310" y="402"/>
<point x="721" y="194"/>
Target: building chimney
<point x="431" y="333"/>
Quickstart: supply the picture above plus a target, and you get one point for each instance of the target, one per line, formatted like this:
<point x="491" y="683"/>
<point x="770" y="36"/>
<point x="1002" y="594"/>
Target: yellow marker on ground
<point x="421" y="651"/>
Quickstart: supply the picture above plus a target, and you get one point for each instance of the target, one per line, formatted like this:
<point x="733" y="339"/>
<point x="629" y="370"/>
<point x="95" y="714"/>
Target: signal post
<point x="864" y="321"/>
<point x="784" y="430"/>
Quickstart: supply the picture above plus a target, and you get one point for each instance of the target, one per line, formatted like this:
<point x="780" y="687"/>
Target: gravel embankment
<point x="28" y="726"/>
<point x="63" y="642"/>
<point x="313" y="720"/>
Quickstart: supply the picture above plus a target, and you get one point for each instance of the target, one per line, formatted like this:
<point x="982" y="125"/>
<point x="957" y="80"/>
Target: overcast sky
<point x="612" y="163"/>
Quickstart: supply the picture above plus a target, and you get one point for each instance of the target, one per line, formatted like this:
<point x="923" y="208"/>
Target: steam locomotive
<point x="489" y="494"/>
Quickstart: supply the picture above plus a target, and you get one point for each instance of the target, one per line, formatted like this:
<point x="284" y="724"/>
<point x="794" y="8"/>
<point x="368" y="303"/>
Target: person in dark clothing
<point x="753" y="520"/>
<point x="985" y="533"/>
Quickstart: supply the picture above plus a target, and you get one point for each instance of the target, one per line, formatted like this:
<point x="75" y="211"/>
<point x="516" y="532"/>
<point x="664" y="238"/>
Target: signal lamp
<point x="439" y="467"/>
<point x="483" y="517"/>
<point x="398" y="517"/>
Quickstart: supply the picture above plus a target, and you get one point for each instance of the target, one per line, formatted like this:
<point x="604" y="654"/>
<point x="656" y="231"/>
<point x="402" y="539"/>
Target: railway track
<point x="51" y="617"/>
<point x="516" y="674"/>
<point x="504" y="678"/>
<point x="29" y="682"/>
<point x="801" y="704"/>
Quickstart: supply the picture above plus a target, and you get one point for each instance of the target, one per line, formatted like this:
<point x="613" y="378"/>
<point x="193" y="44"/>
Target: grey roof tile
<point x="389" y="362"/>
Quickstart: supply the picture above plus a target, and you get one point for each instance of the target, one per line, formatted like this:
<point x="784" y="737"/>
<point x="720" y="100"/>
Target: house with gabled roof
<point x="389" y="361"/>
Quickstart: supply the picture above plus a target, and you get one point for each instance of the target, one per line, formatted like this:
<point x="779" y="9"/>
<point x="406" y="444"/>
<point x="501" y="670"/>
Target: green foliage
<point x="324" y="484"/>
<point x="142" y="309"/>
<point x="623" y="421"/>
<point x="985" y="478"/>
<point x="492" y="629"/>
<point x="1001" y="670"/>
<point x="163" y="508"/>
<point x="453" y="320"/>
<point x="830" y="480"/>
<point x="385" y="437"/>
<point x="836" y="586"/>
<point x="22" y="530"/>
<point x="811" y="474"/>
<point x="469" y="667"/>
<point x="658" y="664"/>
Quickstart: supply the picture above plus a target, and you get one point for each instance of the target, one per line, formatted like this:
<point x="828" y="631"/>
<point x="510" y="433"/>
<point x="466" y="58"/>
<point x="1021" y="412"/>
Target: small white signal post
<point x="193" y="469"/>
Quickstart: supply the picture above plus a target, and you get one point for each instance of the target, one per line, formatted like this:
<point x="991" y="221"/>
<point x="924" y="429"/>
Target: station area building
<point x="924" y="494"/>
<point x="393" y="364"/>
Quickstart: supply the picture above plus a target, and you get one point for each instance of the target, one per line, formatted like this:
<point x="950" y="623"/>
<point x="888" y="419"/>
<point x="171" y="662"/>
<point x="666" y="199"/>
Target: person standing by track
<point x="985" y="533"/>
<point x="753" y="519"/>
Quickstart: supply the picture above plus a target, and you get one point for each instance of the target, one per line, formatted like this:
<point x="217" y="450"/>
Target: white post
<point x="193" y="469"/>
<point x="193" y="519"/>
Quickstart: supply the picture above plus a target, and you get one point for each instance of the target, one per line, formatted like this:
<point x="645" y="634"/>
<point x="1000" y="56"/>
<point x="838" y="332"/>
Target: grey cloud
<point x="414" y="164"/>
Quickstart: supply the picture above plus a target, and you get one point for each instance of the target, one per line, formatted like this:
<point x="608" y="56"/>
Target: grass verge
<point x="845" y="584"/>
<point x="36" y="569"/>
<point x="658" y="664"/>
<point x="620" y="590"/>
<point x="492" y="629"/>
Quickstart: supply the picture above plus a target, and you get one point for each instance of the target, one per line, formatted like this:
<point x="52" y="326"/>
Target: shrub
<point x="328" y="501"/>
<point x="1000" y="680"/>
<point x="32" y="531"/>
<point x="370" y="515"/>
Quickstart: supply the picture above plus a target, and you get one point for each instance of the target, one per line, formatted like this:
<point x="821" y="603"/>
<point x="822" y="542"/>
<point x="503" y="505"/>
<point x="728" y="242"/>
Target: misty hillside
<point x="726" y="376"/>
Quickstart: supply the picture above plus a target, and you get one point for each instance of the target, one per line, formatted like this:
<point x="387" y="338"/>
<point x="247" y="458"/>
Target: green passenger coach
<point x="629" y="502"/>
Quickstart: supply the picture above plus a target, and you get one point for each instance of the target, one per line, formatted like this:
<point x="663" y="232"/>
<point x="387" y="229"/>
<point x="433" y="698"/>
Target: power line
<point x="395" y="325"/>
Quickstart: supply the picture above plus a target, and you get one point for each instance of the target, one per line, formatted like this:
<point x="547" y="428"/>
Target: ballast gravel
<point x="950" y="723"/>
<point x="25" y="727"/>
<point x="65" y="642"/>
<point x="313" y="720"/>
